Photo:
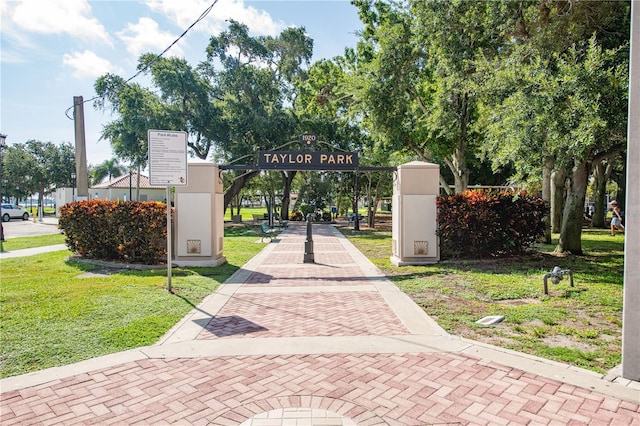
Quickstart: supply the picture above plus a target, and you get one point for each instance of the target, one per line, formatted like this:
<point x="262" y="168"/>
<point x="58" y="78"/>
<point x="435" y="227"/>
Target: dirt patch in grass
<point x="559" y="341"/>
<point x="518" y="302"/>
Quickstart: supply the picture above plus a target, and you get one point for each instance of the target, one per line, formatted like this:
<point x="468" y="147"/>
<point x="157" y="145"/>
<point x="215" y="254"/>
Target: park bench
<point x="257" y="217"/>
<point x="266" y="231"/>
<point x="351" y="217"/>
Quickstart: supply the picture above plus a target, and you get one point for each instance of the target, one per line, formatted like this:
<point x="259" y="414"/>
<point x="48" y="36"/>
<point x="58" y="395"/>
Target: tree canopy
<point x="527" y="92"/>
<point x="36" y="166"/>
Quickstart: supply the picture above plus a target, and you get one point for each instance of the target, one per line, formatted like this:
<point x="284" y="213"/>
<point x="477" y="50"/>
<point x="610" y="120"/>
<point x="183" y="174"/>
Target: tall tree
<point x="38" y="167"/>
<point x="255" y="83"/>
<point x="556" y="101"/>
<point x="18" y="170"/>
<point x="189" y="100"/>
<point x="139" y="110"/>
<point x="420" y="59"/>
<point x="107" y="169"/>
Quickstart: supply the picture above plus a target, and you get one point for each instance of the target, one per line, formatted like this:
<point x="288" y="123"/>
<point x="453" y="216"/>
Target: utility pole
<point x="82" y="181"/>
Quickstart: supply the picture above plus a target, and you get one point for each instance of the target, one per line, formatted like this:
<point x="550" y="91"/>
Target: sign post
<point x="168" y="167"/>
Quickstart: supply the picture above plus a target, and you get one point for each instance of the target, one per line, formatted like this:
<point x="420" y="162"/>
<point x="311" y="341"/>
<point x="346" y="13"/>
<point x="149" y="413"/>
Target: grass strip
<point x="52" y="316"/>
<point x="20" y="243"/>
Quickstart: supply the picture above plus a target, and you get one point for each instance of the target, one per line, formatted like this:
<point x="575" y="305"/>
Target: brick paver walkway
<point x="330" y="343"/>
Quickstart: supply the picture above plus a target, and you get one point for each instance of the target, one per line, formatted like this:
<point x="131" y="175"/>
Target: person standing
<point x="616" y="219"/>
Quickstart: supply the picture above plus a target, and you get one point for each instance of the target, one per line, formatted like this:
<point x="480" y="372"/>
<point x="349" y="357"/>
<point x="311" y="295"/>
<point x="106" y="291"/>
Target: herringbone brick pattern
<point x="371" y="389"/>
<point x="304" y="314"/>
<point x="344" y="272"/>
<point x="278" y="276"/>
<point x="292" y="258"/>
<point x="318" y="246"/>
<point x="282" y="298"/>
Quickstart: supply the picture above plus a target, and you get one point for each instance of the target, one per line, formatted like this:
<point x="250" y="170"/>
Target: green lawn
<point x="51" y="316"/>
<point x="580" y="326"/>
<point x="246" y="213"/>
<point x="56" y="318"/>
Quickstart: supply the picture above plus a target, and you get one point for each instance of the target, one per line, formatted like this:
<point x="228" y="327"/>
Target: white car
<point x="12" y="211"/>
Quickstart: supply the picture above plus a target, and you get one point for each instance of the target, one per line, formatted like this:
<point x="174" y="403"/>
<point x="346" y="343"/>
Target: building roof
<point x="124" y="182"/>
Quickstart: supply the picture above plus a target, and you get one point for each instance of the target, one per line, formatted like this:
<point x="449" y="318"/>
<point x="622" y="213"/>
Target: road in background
<point x="27" y="228"/>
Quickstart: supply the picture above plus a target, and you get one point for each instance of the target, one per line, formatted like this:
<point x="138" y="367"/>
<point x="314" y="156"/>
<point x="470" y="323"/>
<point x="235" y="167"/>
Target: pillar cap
<point x="419" y="165"/>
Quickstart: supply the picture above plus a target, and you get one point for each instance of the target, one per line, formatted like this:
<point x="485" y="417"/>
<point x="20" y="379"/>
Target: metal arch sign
<point x="308" y="139"/>
<point x="307" y="160"/>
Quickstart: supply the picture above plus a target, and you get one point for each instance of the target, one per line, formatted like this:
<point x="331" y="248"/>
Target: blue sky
<point x="53" y="50"/>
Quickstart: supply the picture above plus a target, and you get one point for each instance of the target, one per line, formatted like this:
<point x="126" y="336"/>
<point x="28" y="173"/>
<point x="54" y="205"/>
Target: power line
<point x="200" y="18"/>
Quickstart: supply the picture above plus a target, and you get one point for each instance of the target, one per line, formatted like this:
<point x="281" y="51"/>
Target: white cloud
<point x="71" y="17"/>
<point x="88" y="64"/>
<point x="185" y="13"/>
<point x="145" y="36"/>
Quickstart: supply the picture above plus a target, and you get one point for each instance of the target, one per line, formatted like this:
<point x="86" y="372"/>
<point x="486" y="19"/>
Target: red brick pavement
<point x="277" y="275"/>
<point x="304" y="314"/>
<point x="369" y="388"/>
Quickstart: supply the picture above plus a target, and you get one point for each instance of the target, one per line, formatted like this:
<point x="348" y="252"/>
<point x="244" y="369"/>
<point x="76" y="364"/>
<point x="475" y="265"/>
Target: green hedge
<point x="480" y="224"/>
<point x="129" y="231"/>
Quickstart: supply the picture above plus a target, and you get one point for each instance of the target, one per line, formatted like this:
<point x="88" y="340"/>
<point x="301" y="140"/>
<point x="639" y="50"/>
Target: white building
<point x="124" y="188"/>
<point x="121" y="188"/>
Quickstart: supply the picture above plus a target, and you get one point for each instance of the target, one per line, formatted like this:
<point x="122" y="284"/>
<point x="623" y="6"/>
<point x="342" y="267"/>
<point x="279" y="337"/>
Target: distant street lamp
<point x="27" y="179"/>
<point x="73" y="186"/>
<point x="3" y="139"/>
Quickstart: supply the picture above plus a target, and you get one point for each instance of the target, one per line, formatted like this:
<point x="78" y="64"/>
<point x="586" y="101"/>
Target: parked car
<point x="12" y="211"/>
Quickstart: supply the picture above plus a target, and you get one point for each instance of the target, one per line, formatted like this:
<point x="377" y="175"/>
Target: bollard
<point x="308" y="244"/>
<point x="556" y="276"/>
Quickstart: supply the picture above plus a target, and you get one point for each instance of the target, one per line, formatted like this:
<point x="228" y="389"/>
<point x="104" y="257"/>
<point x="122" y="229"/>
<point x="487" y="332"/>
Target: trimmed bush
<point x="480" y="224"/>
<point x="129" y="231"/>
<point x="296" y="215"/>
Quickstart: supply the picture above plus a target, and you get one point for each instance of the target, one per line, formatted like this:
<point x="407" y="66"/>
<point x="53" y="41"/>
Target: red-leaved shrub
<point x="124" y="231"/>
<point x="480" y="224"/>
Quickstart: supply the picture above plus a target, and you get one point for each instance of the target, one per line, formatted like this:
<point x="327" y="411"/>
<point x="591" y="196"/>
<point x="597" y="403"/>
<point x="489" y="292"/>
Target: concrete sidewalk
<point x="329" y="343"/>
<point x="31" y="251"/>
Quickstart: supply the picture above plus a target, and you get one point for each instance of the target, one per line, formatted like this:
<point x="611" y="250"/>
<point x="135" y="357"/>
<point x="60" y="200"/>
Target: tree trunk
<point x="376" y="200"/>
<point x="287" y="180"/>
<point x="445" y="185"/>
<point x="338" y="203"/>
<point x="546" y="197"/>
<point x="237" y="185"/>
<point x="461" y="171"/>
<point x="573" y="214"/>
<point x="621" y="180"/>
<point x="558" y="182"/>
<point x="601" y="174"/>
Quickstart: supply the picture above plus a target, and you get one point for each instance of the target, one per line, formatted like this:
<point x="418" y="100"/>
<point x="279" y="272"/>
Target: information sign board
<point x="167" y="158"/>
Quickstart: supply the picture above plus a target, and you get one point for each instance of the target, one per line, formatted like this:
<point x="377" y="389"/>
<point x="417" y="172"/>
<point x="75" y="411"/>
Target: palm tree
<point x="108" y="168"/>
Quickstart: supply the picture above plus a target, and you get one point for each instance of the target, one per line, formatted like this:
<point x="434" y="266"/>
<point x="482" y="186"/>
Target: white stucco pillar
<point x="199" y="218"/>
<point x="631" y="304"/>
<point x="414" y="223"/>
